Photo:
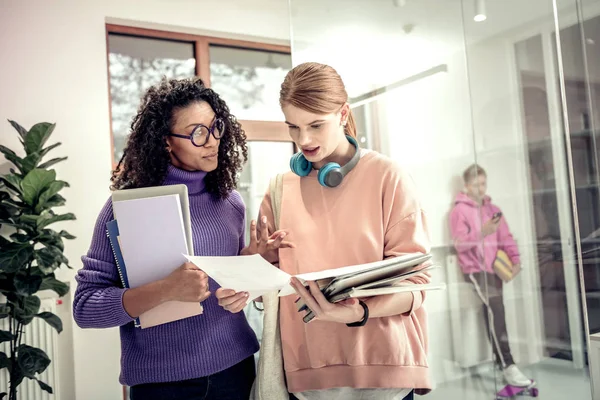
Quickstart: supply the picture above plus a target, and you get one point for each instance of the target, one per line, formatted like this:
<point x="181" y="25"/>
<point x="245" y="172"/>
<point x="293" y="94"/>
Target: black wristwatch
<point x="365" y="318"/>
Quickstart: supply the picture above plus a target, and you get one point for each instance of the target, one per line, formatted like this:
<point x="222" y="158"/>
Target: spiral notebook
<point x="112" y="231"/>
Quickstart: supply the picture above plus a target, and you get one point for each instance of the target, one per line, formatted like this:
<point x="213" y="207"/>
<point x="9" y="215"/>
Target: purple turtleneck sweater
<point x="190" y="348"/>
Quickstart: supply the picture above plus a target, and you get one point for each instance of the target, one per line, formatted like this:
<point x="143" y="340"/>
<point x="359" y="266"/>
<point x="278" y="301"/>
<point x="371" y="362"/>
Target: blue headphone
<point x="332" y="174"/>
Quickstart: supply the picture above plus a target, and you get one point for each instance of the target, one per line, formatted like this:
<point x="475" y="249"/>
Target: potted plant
<point x="30" y="251"/>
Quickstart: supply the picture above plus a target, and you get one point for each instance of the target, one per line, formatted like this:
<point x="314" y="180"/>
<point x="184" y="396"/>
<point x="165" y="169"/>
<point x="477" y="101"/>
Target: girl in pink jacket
<point x="479" y="231"/>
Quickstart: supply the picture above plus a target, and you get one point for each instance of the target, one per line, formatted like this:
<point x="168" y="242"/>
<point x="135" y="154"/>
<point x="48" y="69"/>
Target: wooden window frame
<point x="256" y="130"/>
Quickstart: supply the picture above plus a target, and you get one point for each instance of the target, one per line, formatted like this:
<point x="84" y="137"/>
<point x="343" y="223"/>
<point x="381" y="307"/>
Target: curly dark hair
<point x="145" y="159"/>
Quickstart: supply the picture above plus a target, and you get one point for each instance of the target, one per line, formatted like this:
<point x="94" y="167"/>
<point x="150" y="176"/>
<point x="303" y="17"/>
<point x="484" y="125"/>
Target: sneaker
<point x="515" y="377"/>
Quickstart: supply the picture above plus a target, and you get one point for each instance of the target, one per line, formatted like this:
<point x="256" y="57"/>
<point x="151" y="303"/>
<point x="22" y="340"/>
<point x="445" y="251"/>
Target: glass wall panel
<point x="440" y="86"/>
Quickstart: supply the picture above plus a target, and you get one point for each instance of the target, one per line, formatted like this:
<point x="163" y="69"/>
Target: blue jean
<point x="234" y="383"/>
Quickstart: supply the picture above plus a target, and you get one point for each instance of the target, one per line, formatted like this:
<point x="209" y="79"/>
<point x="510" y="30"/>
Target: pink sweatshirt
<point x="374" y="214"/>
<point x="475" y="253"/>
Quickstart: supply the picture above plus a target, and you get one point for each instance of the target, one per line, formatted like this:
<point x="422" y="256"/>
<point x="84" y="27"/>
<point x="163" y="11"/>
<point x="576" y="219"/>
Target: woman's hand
<point x="232" y="301"/>
<point x="344" y="312"/>
<point x="187" y="283"/>
<point x="263" y="244"/>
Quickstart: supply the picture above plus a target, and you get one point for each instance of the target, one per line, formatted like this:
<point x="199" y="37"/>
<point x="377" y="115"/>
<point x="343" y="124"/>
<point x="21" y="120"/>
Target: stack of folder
<point x="150" y="236"/>
<point x="375" y="279"/>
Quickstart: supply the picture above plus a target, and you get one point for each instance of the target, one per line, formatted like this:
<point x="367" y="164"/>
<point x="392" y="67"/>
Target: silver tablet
<point x="156" y="191"/>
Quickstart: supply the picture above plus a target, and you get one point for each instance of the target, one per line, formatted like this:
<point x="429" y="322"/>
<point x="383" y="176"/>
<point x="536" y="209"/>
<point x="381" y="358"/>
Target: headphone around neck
<point x="332" y="174"/>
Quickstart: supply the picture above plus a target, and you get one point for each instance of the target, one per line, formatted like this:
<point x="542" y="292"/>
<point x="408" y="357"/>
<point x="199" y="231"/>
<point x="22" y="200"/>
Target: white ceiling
<point x="393" y="41"/>
<point x="390" y="42"/>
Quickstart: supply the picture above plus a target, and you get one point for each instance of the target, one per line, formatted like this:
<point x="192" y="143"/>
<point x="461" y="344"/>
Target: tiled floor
<point x="556" y="380"/>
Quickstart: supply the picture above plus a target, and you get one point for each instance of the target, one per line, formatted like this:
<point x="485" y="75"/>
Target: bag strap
<point x="270" y="379"/>
<point x="276" y="192"/>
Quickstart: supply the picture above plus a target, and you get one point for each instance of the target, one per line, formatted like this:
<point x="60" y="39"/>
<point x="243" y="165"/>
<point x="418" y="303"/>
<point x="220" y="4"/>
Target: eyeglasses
<point x="200" y="134"/>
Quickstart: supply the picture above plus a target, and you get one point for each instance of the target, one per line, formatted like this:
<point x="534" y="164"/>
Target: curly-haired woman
<point x="183" y="133"/>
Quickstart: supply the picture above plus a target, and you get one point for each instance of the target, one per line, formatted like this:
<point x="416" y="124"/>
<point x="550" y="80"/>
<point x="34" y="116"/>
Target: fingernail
<point x="264" y="220"/>
<point x="283" y="235"/>
<point x="246" y="294"/>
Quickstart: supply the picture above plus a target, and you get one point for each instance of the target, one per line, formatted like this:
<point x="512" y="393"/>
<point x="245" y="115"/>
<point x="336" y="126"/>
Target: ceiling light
<point x="480" y="15"/>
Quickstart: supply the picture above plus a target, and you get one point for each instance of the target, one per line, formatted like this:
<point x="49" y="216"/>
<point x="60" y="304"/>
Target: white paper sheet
<point x="255" y="275"/>
<point x="252" y="274"/>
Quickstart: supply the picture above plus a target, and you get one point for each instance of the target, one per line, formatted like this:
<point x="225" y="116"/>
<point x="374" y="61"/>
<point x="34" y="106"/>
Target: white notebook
<point x="153" y="243"/>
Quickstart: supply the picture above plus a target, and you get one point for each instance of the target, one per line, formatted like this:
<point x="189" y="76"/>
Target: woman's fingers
<point x="264" y="230"/>
<point x="305" y="295"/>
<point x="275" y="241"/>
<point x="253" y="236"/>
<point x="226" y="302"/>
<point x="318" y="295"/>
<point x="237" y="305"/>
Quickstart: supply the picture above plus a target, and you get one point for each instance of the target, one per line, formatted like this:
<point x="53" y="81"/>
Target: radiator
<point x="41" y="335"/>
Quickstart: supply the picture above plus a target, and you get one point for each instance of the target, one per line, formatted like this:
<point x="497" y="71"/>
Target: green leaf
<point x="47" y="259"/>
<point x="67" y="235"/>
<point x="31" y="306"/>
<point x="51" y="238"/>
<point x="47" y="194"/>
<point x="4" y="360"/>
<point x="52" y="320"/>
<point x="6" y="336"/>
<point x="51" y="283"/>
<point x="47" y="149"/>
<point x="11" y="156"/>
<point x="32" y="360"/>
<point x="13" y="202"/>
<point x="13" y="182"/>
<point x="27" y="285"/>
<point x="37" y="137"/>
<point x="55" y="201"/>
<point x="6" y="151"/>
<point x="45" y="386"/>
<point x="55" y="218"/>
<point x="9" y="210"/>
<point x="15" y="256"/>
<point x="34" y="182"/>
<point x="30" y="162"/>
<point x="4" y="242"/>
<point x="30" y="219"/>
<point x="4" y="310"/>
<point x="22" y="131"/>
<point x="50" y="163"/>
<point x="20" y="238"/>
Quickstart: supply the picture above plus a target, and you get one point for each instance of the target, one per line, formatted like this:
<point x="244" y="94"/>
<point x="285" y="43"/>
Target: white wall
<point x="54" y="69"/>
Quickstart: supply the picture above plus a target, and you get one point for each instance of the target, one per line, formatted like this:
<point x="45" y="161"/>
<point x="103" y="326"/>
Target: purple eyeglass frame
<point x="210" y="130"/>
